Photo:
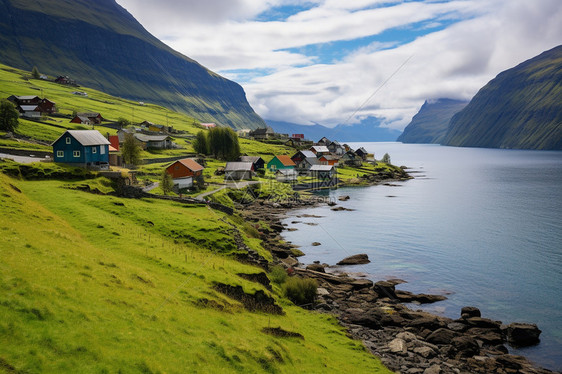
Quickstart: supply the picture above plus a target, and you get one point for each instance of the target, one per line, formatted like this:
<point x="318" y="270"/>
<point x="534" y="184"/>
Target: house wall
<point x="87" y="154"/>
<point x="275" y="164"/>
<point x="179" y="170"/>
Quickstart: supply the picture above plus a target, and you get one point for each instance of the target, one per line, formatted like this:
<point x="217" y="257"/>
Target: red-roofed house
<point x="185" y="168"/>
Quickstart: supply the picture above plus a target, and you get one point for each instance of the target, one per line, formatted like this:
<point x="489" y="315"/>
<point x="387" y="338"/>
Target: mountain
<point x="430" y="124"/>
<point x="100" y="45"/>
<point x="367" y="130"/>
<point x="520" y="108"/>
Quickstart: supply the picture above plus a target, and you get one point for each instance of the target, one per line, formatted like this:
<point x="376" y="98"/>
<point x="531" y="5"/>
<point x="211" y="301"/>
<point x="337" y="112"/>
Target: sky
<point x="340" y="61"/>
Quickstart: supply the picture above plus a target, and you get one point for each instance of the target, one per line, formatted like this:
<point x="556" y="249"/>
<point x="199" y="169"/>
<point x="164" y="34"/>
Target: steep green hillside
<point x="102" y="46"/>
<point x="430" y="124"/>
<point x="97" y="284"/>
<point x="520" y="108"/>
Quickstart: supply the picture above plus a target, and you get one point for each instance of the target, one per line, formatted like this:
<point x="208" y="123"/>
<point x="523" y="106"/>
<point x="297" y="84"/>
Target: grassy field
<point x="94" y="283"/>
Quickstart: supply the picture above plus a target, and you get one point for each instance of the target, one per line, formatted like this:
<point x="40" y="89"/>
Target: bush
<point x="300" y="291"/>
<point x="386" y="158"/>
<point x="278" y="274"/>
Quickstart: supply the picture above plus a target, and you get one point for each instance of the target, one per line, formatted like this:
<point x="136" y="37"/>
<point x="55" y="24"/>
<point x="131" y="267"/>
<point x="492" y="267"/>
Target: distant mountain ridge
<point x="521" y="108"/>
<point x="431" y="123"/>
<point x="100" y="45"/>
<point x="367" y="130"/>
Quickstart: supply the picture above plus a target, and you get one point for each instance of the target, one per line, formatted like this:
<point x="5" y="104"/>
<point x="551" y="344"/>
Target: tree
<point x="123" y="122"/>
<point x="166" y="182"/>
<point x="386" y="158"/>
<point x="35" y="72"/>
<point x="223" y="143"/>
<point x="8" y="116"/>
<point x="201" y="143"/>
<point x="131" y="150"/>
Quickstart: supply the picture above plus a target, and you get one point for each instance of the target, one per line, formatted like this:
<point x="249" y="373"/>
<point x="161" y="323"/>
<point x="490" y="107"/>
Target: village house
<point x="243" y="133"/>
<point x="262" y="133"/>
<point x="324" y="141"/>
<point x="32" y="106"/>
<point x="322" y="171"/>
<point x="185" y="167"/>
<point x="208" y="125"/>
<point x="155" y="128"/>
<point x="304" y="160"/>
<point x="336" y="148"/>
<point x="257" y="161"/>
<point x="362" y="153"/>
<point x="87" y="118"/>
<point x="87" y="148"/>
<point x="239" y="170"/>
<point x="286" y="175"/>
<point x="280" y="162"/>
<point x="350" y="158"/>
<point x="154" y="141"/>
<point x="65" y="79"/>
<point x="328" y="159"/>
<point x="320" y="150"/>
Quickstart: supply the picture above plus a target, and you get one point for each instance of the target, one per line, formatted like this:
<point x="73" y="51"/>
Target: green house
<point x="281" y="162"/>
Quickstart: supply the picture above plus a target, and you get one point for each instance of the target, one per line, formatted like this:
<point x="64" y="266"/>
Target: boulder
<point x="487" y="336"/>
<point x="470" y="311"/>
<point x="522" y="334"/>
<point x="441" y="336"/>
<point x="343" y="198"/>
<point x="316" y="244"/>
<point x="359" y="284"/>
<point x="385" y="289"/>
<point x="465" y="346"/>
<point x="425" y="352"/>
<point x="316" y="267"/>
<point x="398" y="346"/>
<point x="358" y="316"/>
<point x="483" y="323"/>
<point x="433" y="369"/>
<point x="355" y="260"/>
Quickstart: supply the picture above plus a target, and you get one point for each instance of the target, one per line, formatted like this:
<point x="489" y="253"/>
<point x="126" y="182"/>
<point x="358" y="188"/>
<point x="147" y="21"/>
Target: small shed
<point x="350" y="158"/>
<point x="280" y="162"/>
<point x="322" y="171"/>
<point x="286" y="175"/>
<point x="154" y="141"/>
<point x="328" y="159"/>
<point x="82" y="147"/>
<point x="185" y="168"/>
<point x="336" y="148"/>
<point x="361" y="152"/>
<point x="239" y="170"/>
<point x="259" y="163"/>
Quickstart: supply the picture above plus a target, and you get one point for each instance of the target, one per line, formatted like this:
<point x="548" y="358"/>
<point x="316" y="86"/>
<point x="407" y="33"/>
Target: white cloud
<point x="493" y="35"/>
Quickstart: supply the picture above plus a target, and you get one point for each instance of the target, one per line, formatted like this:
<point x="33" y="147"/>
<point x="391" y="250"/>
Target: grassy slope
<point x="131" y="296"/>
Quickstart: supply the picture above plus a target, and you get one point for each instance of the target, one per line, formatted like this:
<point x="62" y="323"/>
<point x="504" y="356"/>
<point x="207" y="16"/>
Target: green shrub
<point x="278" y="274"/>
<point x="300" y="291"/>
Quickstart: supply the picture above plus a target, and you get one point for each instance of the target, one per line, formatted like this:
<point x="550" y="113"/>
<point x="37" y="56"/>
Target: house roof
<point x="287" y="172"/>
<point x="320" y="148"/>
<point x="150" y="138"/>
<point x="252" y="159"/>
<point x="362" y="150"/>
<point x="308" y="154"/>
<point x="89" y="115"/>
<point x="239" y="166"/>
<point x="285" y="160"/>
<point x="86" y="137"/>
<point x="83" y="119"/>
<point x="190" y="164"/>
<point x="321" y="167"/>
<point x="28" y="97"/>
<point x="29" y="108"/>
<point x="329" y="157"/>
<point x="208" y="125"/>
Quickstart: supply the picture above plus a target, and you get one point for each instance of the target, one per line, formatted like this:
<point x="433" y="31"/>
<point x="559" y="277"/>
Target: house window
<point x="60" y="153"/>
<point x="94" y="149"/>
<point x="76" y="153"/>
<point x="102" y="149"/>
<point x="67" y="140"/>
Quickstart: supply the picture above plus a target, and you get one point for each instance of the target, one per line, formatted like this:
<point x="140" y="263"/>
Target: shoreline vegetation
<point x="374" y="312"/>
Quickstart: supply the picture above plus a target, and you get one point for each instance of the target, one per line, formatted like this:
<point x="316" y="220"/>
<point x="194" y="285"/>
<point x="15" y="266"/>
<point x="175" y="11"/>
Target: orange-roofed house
<point x="185" y="168"/>
<point x="281" y="162"/>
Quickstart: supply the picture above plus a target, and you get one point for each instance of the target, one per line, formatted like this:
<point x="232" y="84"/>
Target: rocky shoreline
<point x="407" y="341"/>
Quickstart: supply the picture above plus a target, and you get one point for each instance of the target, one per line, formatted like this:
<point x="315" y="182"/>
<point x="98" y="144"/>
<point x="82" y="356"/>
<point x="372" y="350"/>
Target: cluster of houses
<point x="32" y="106"/>
<point x="320" y="161"/>
<point x="267" y="133"/>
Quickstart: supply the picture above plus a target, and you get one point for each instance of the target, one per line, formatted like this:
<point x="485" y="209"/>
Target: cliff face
<point x="100" y="45"/>
<point x="520" y="108"/>
<point x="430" y="124"/>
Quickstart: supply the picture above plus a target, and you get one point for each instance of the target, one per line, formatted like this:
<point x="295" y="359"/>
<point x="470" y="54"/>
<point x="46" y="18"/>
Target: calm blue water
<point x="483" y="226"/>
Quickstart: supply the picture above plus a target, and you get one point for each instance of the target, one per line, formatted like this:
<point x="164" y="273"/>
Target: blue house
<point x="87" y="148"/>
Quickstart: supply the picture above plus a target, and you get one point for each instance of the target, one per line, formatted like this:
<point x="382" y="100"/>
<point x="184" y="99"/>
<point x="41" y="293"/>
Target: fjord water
<point x="482" y="226"/>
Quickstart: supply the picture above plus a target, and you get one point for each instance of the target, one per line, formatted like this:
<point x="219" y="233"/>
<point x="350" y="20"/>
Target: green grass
<point x="94" y="283"/>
